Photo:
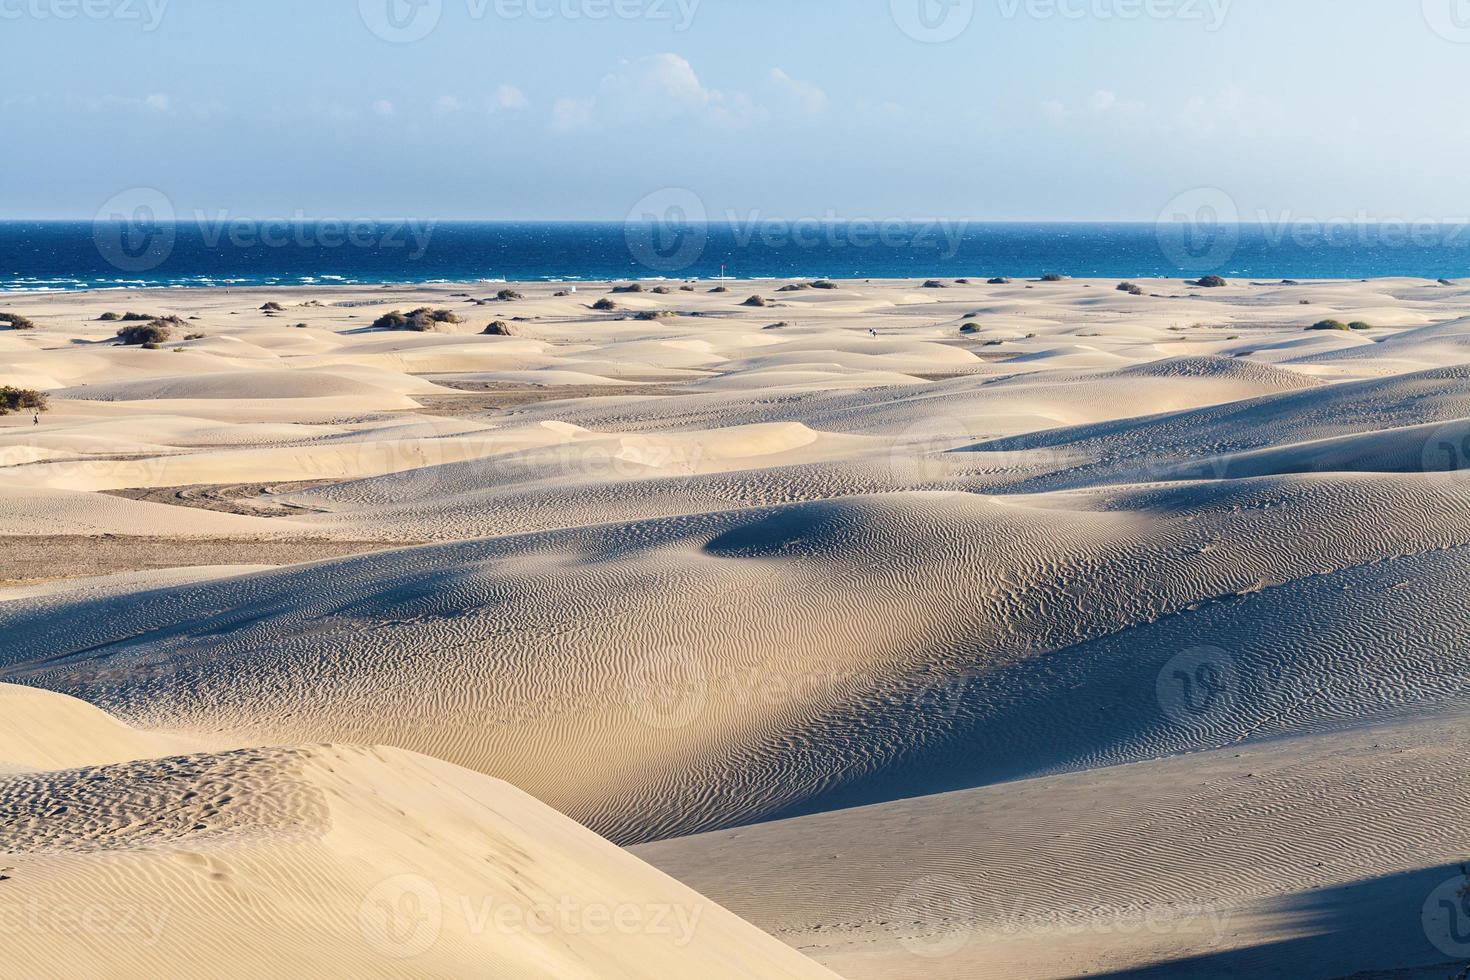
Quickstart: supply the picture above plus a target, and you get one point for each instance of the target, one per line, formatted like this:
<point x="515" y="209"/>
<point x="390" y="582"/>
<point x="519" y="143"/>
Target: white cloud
<point x="1102" y="100"/>
<point x="649" y="90"/>
<point x="1055" y="110"/>
<point x="803" y="97"/>
<point x="383" y="107"/>
<point x="507" y="98"/>
<point x="158" y="102"/>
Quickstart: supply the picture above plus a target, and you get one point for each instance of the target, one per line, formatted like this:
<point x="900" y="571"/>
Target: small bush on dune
<point x="1131" y="288"/>
<point x="148" y="335"/>
<point x="755" y="301"/>
<point x="720" y="289"/>
<point x="998" y="281"/>
<point x="1360" y="325"/>
<point x="200" y="336"/>
<point x="110" y="316"/>
<point x="273" y="307"/>
<point x="654" y="314"/>
<point x="1445" y="282"/>
<point x="1053" y="277"/>
<point x="824" y="284"/>
<point x="970" y="328"/>
<point x="558" y="294"/>
<point x="934" y="284"/>
<point x="500" y="328"/>
<point x="604" y="305"/>
<point x="22" y="400"/>
<point x="1210" y="282"/>
<point x="420" y="320"/>
<point x="686" y="289"/>
<point x="140" y="317"/>
<point x="794" y="287"/>
<point x="1329" y="325"/>
<point x="633" y="288"/>
<point x="662" y="290"/>
<point x="16" y="322"/>
<point x="994" y="343"/>
<point x="506" y="295"/>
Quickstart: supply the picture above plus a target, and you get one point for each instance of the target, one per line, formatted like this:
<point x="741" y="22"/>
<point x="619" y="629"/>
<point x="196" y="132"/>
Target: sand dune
<point x="1117" y="635"/>
<point x="339" y="860"/>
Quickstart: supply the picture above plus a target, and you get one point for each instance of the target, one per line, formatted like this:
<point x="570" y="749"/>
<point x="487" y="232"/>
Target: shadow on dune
<point x="1409" y="926"/>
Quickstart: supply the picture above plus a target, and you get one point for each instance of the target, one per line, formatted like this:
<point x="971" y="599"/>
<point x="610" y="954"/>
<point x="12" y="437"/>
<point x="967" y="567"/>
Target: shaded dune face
<point x="720" y="669"/>
<point x="1118" y="635"/>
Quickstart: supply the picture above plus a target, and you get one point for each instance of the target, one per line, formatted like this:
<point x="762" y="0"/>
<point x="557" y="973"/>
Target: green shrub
<point x="506" y="295"/>
<point x="22" y="399"/>
<point x="1210" y="282"/>
<point x="1329" y="325"/>
<point x="825" y="284"/>
<point x="794" y="287"/>
<point x="16" y="322"/>
<point x="634" y="288"/>
<point x="148" y="335"/>
<point x="970" y="328"/>
<point x="1360" y="325"/>
<point x="604" y="305"/>
<point x="755" y="301"/>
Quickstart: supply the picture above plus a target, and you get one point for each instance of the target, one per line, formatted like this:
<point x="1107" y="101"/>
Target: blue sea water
<point x="38" y="256"/>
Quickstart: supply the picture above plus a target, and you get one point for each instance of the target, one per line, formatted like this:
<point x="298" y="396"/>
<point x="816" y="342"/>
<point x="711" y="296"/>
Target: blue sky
<point x="567" y="109"/>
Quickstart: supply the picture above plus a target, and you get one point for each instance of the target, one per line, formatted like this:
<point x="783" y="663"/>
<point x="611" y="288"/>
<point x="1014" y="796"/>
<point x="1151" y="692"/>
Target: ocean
<point x="42" y="256"/>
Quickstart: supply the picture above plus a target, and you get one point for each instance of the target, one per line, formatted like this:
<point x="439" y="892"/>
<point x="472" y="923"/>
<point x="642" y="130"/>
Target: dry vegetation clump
<point x="1210" y="282"/>
<point x="421" y="320"/>
<point x="1054" y="277"/>
<point x="970" y="328"/>
<point x="273" y="307"/>
<point x="633" y="288"/>
<point x="1329" y="325"/>
<point x="824" y="284"/>
<point x="934" y="284"/>
<point x="16" y="322"/>
<point x="499" y="328"/>
<point x="149" y="335"/>
<point x="604" y="305"/>
<point x="755" y="301"/>
<point x="507" y="295"/>
<point x="22" y="400"/>
<point x="1133" y="289"/>
<point x="998" y="281"/>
